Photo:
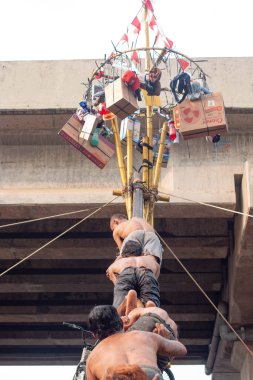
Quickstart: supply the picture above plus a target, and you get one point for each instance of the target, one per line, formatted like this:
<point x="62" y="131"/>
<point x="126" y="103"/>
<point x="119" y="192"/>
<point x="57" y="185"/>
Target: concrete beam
<point x="93" y="283"/>
<point x="241" y="279"/>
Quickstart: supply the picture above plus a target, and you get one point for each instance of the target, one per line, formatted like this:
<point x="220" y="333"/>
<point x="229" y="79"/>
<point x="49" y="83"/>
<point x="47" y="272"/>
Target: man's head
<point x="125" y="372"/>
<point x="116" y="219"/>
<point x="131" y="248"/>
<point x="104" y="321"/>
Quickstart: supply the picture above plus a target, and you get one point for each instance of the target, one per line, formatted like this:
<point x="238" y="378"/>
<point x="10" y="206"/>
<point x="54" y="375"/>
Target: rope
<point x="208" y="205"/>
<point x="46" y="217"/>
<point x="57" y="237"/>
<point x="206" y="296"/>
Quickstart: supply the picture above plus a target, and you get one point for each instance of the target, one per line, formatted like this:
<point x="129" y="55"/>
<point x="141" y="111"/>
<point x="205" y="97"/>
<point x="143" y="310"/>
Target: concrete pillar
<point x="242" y="360"/>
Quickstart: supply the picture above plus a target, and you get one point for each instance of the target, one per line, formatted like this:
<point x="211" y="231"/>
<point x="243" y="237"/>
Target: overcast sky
<point x="76" y="29"/>
<point x="81" y="29"/>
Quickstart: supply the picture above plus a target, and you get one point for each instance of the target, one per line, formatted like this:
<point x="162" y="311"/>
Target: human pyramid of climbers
<point x="137" y="338"/>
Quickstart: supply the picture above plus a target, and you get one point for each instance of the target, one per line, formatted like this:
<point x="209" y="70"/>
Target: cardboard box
<point x="120" y="100"/>
<point x="202" y="117"/>
<point x="99" y="155"/>
<point x="90" y="123"/>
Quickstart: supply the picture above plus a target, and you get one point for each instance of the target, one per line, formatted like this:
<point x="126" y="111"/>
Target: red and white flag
<point x="135" y="57"/>
<point x="152" y="22"/>
<point x="184" y="64"/>
<point x="168" y="43"/>
<point x="124" y="38"/>
<point x="149" y="5"/>
<point x="137" y="24"/>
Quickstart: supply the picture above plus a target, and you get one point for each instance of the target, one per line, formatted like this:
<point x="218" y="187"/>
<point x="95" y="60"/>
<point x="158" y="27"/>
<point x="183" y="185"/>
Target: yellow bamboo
<point x="129" y="198"/>
<point x="160" y="156"/>
<point x="145" y="170"/>
<point x="149" y="120"/>
<point x="119" y="152"/>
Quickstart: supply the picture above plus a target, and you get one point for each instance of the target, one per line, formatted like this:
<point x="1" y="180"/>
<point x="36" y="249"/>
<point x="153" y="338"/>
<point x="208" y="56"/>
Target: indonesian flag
<point x="152" y="22"/>
<point x="136" y="22"/>
<point x="184" y="64"/>
<point x="124" y="38"/>
<point x="134" y="57"/>
<point x="149" y="5"/>
<point x="168" y="43"/>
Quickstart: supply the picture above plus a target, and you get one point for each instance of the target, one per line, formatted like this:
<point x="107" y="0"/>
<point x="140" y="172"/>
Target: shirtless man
<point x="116" y="347"/>
<point x="138" y="273"/>
<point x="145" y="319"/>
<point x="151" y="319"/>
<point x="139" y="230"/>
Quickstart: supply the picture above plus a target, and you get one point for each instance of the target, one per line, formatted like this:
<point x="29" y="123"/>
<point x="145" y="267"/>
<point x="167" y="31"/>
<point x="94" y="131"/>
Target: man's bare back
<point x="122" y="228"/>
<point x="118" y="266"/>
<point x="123" y="348"/>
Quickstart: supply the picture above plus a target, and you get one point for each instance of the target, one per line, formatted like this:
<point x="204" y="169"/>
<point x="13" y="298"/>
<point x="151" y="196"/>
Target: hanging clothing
<point x="181" y="84"/>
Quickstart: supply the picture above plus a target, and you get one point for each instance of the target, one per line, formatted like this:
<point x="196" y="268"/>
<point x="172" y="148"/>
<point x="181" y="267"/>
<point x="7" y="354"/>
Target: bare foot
<point x="131" y="302"/>
<point x="122" y="308"/>
<point x="150" y="304"/>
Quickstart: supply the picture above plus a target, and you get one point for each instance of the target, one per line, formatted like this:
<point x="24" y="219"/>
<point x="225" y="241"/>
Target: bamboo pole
<point x="149" y="119"/>
<point x="145" y="169"/>
<point x="129" y="198"/>
<point x="160" y="156"/>
<point x="121" y="163"/>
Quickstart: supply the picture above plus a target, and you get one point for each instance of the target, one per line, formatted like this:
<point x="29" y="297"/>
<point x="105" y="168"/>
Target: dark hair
<point x="125" y="372"/>
<point x="131" y="248"/>
<point x="118" y="216"/>
<point x="104" y="321"/>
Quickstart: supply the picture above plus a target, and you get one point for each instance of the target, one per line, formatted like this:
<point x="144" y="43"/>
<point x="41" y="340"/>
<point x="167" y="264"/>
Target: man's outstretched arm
<point x="170" y="347"/>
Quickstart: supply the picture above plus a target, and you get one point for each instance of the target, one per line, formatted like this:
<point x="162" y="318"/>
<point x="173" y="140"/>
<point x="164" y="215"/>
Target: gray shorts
<point x="149" y="241"/>
<point x="142" y="280"/>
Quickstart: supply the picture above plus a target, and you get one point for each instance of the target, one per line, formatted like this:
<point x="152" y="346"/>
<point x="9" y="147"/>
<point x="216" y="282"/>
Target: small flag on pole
<point x="184" y="64"/>
<point x="135" y="57"/>
<point x="136" y="22"/>
<point x="152" y="22"/>
<point x="149" y="5"/>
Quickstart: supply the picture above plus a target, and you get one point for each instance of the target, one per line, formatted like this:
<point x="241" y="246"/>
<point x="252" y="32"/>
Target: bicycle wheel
<point x="169" y="373"/>
<point x="80" y="372"/>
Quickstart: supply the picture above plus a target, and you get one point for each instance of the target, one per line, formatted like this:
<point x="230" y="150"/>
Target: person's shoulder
<point x="138" y="334"/>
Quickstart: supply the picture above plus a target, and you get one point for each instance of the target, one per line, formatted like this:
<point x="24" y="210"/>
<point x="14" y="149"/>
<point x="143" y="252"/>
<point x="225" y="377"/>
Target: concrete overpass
<point x="41" y="175"/>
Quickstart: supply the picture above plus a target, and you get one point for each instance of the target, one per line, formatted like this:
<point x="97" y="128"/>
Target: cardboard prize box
<point x="120" y="100"/>
<point x="99" y="155"/>
<point x="202" y="117"/>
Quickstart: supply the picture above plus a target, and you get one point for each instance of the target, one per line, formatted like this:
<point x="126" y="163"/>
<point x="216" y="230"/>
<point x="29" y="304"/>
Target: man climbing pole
<point x="139" y="273"/>
<point x="118" y="347"/>
<point x="138" y="230"/>
<point x="145" y="319"/>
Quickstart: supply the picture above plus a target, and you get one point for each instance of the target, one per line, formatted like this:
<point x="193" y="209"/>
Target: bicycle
<point x="87" y="348"/>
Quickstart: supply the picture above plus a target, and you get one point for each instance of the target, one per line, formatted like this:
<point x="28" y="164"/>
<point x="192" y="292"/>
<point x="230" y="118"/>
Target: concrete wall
<point x="57" y="84"/>
<point x="37" y="162"/>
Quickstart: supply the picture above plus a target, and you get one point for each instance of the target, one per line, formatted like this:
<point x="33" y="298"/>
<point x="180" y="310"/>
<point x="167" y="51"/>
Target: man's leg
<point x="125" y="282"/>
<point x="149" y="287"/>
